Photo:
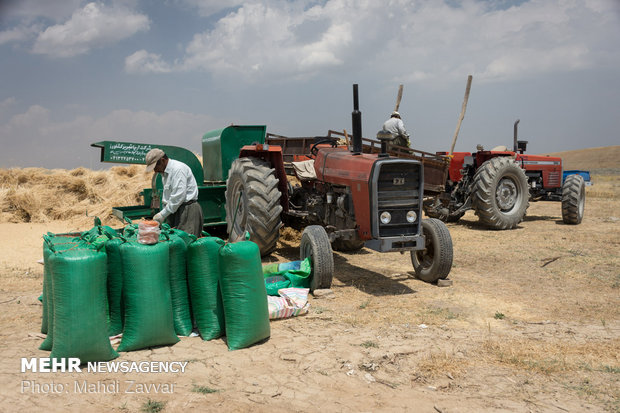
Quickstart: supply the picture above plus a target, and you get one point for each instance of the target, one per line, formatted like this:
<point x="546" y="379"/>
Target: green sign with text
<point x="124" y="152"/>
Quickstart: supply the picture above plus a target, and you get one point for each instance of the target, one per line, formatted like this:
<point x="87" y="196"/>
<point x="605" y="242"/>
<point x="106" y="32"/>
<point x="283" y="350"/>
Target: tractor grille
<point x="554" y="179"/>
<point x="399" y="190"/>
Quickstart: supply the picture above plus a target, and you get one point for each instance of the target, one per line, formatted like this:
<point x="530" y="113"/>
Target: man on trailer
<point x="396" y="127"/>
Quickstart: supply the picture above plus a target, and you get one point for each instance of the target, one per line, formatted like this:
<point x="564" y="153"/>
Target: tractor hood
<point x="339" y="166"/>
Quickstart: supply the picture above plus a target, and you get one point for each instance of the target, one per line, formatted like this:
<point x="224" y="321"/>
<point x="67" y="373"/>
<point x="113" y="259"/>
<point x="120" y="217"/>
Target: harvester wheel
<point x="573" y="199"/>
<point x="253" y="203"/>
<point x="434" y="262"/>
<point x="500" y="194"/>
<point x="315" y="244"/>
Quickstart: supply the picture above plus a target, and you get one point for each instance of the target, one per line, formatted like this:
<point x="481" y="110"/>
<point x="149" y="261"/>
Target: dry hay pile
<point x="43" y="195"/>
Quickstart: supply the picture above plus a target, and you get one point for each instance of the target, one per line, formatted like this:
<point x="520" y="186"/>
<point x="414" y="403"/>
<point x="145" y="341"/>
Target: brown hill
<point x="592" y="159"/>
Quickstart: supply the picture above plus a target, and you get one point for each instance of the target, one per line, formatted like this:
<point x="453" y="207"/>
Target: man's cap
<point x="152" y="157"/>
<point x="395" y="114"/>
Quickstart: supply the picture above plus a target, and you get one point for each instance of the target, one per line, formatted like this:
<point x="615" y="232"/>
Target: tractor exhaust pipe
<point x="356" y="117"/>
<point x="515" y="135"/>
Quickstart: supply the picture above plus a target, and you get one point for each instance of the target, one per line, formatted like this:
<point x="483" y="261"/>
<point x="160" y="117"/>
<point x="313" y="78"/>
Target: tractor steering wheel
<point x="314" y="150"/>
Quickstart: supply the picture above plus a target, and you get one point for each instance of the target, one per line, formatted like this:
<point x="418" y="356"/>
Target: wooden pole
<point x="458" y="126"/>
<point x="398" y="98"/>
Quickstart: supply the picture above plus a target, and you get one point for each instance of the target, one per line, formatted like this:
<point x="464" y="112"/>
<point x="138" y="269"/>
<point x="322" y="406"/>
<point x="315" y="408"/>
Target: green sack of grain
<point x="177" y="241"/>
<point x="80" y="326"/>
<point x="45" y="301"/>
<point x="130" y="231"/>
<point x="203" y="273"/>
<point x="178" y="282"/>
<point x="146" y="296"/>
<point x="115" y="285"/>
<point x="52" y="243"/>
<point x="97" y="231"/>
<point x="243" y="294"/>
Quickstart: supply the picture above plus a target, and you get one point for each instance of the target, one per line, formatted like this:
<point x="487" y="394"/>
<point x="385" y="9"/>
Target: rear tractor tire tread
<point x="261" y="207"/>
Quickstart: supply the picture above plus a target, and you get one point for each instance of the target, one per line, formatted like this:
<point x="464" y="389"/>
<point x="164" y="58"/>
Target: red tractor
<point x="345" y="199"/>
<point x="498" y="185"/>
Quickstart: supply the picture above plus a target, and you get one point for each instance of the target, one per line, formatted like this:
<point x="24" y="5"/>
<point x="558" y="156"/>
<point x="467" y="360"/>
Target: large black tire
<point x="500" y="194"/>
<point x="573" y="199"/>
<point x="315" y="244"/>
<point x="434" y="262"/>
<point x="253" y="203"/>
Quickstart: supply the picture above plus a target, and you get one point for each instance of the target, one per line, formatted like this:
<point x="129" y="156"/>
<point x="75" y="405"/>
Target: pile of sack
<point x="102" y="283"/>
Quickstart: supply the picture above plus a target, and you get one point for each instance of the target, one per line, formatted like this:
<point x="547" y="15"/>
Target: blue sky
<point x="77" y="72"/>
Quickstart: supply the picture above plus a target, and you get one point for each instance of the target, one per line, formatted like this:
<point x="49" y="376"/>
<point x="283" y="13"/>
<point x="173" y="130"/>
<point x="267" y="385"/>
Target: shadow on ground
<point x="370" y="282"/>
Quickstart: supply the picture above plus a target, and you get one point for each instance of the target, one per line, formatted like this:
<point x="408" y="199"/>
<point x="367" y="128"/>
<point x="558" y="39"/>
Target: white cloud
<point x="145" y="62"/>
<point x="19" y="33"/>
<point x="209" y="7"/>
<point x="94" y="25"/>
<point x="533" y="38"/>
<point x="260" y="39"/>
<point x="401" y="39"/>
<point x="7" y="103"/>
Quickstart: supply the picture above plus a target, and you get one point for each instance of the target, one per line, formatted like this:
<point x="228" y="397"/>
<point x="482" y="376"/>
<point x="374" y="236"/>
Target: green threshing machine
<point x="220" y="148"/>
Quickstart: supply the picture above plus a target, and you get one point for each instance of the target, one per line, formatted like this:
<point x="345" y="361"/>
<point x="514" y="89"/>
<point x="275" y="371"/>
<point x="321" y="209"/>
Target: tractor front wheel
<point x="253" y="203"/>
<point x="573" y="199"/>
<point x="500" y="194"/>
<point x="434" y="262"/>
<point x="315" y="244"/>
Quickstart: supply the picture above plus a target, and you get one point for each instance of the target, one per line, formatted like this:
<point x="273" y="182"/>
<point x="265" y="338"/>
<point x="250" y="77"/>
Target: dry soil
<point x="530" y="323"/>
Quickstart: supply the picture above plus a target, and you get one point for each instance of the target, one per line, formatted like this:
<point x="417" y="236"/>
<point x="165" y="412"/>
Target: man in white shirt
<point x="396" y="127"/>
<point x="181" y="209"/>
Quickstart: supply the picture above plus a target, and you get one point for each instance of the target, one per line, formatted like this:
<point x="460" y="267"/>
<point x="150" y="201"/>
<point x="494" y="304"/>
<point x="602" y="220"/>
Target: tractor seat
<point x="305" y="170"/>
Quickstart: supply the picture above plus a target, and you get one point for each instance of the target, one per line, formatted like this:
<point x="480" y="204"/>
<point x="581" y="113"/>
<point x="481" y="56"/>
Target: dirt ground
<point x="531" y="323"/>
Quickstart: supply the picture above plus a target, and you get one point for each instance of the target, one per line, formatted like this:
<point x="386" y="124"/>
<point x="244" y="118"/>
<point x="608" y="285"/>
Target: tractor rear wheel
<point x="434" y="262"/>
<point x="253" y="203"/>
<point x="315" y="244"/>
<point x="500" y="194"/>
<point x="573" y="199"/>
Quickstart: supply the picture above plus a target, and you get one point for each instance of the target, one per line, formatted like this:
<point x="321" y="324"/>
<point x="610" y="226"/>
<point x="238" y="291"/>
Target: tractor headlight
<point x="411" y="216"/>
<point x="385" y="217"/>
